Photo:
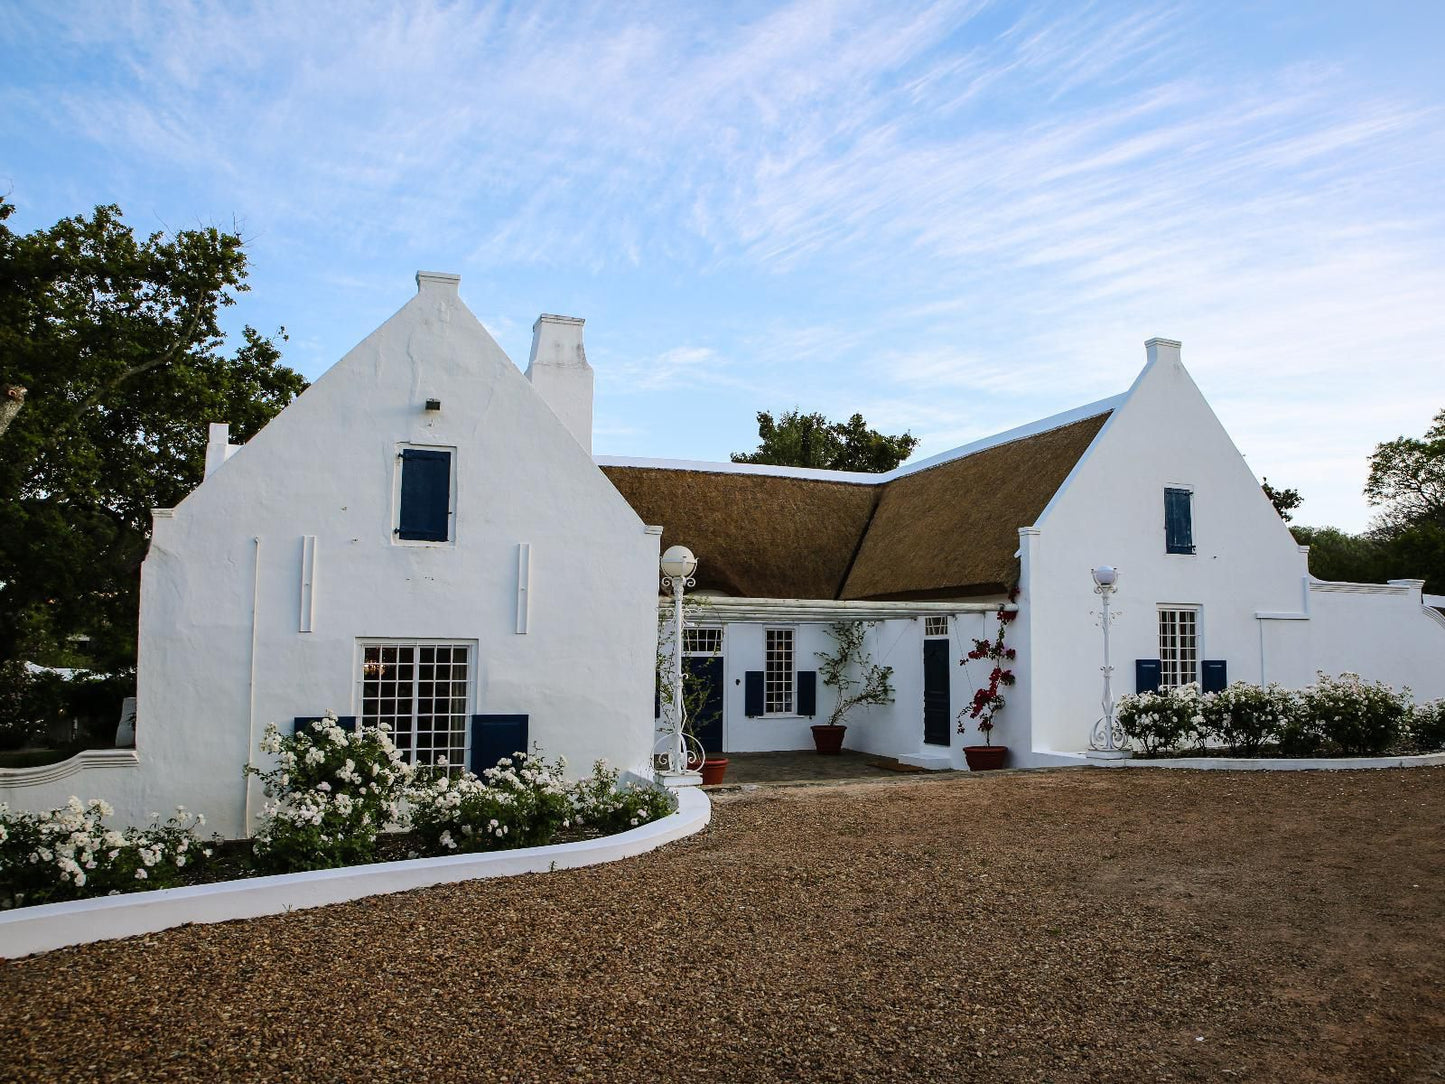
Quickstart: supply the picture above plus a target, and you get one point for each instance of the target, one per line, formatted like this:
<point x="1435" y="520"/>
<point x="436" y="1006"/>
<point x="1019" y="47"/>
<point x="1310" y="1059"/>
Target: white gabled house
<point x="423" y="537"/>
<point x="1213" y="586"/>
<point x="418" y="538"/>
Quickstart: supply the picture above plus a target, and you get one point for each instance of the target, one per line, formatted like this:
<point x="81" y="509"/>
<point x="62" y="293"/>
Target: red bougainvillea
<point x="987" y="700"/>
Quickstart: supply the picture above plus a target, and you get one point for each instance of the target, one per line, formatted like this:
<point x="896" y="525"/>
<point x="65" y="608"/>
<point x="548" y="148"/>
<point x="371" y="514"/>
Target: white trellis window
<point x="422" y="691"/>
<point x="935" y="626"/>
<point x="702" y="641"/>
<point x="1178" y="646"/>
<point x="778" y="673"/>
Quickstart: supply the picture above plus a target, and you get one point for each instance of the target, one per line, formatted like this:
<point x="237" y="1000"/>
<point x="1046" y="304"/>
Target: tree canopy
<point x="1285" y="501"/>
<point x="796" y="439"/>
<point x="112" y="361"/>
<point x="1407" y="539"/>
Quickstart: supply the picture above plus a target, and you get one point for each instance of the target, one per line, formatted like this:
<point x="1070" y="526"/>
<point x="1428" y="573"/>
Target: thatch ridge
<point x="756" y="536"/>
<point x="949" y="530"/>
<point x="953" y="529"/>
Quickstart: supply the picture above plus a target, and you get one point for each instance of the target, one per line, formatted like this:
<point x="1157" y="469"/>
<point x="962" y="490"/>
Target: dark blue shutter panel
<point x="495" y="737"/>
<point x="753" y="693"/>
<point x="657" y="698"/>
<point x="1178" y="525"/>
<point x="808" y="692"/>
<point x="426" y="495"/>
<point x="347" y="723"/>
<point x="303" y="721"/>
<point x="1146" y="675"/>
<point x="1216" y="675"/>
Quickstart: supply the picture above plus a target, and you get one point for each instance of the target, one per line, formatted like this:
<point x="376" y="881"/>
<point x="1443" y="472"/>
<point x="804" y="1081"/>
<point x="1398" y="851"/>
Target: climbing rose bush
<point x="1357" y="716"/>
<point x="330" y="794"/>
<point x="522" y="802"/>
<point x="70" y="853"/>
<point x="1247" y="717"/>
<point x="1427" y="727"/>
<point x="1164" y="719"/>
<point x="609" y="806"/>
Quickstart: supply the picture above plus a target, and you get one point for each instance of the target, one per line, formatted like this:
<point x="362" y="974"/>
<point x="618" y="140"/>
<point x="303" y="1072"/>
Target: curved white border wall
<point x="1268" y="764"/>
<point x="27" y="930"/>
<point x="85" y="760"/>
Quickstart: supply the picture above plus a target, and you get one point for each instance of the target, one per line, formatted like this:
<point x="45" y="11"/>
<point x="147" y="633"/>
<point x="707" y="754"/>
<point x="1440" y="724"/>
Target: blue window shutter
<point x="1216" y="675"/>
<point x="808" y="692"/>
<point x="426" y="495"/>
<point x="1178" y="521"/>
<point x="1146" y="675"/>
<point x="303" y="721"/>
<point x="347" y="723"/>
<point x="495" y="737"/>
<point x="753" y="693"/>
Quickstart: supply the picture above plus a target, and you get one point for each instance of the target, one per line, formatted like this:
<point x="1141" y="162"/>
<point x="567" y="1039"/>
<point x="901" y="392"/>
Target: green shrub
<point x="522" y="802"/>
<point x="1359" y="717"/>
<point x="1426" y="727"/>
<point x="332" y="793"/>
<point x="70" y="853"/>
<point x="609" y="808"/>
<point x="1247" y="717"/>
<point x="1162" y="720"/>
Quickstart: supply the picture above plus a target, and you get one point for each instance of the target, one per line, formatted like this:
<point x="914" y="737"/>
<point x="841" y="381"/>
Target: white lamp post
<point x="1101" y="741"/>
<point x="678" y="565"/>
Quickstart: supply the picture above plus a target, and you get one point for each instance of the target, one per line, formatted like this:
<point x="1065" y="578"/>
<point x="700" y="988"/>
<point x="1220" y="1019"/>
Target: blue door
<point x="705" y="674"/>
<point x="935" y="692"/>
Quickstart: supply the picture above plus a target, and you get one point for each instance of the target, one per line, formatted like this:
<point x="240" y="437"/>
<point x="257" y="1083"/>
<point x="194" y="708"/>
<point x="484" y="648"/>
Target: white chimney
<point x="218" y="446"/>
<point x="1157" y="349"/>
<point x="559" y="371"/>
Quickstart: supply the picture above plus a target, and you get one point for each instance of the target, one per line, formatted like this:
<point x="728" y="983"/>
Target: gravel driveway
<point x="1067" y="925"/>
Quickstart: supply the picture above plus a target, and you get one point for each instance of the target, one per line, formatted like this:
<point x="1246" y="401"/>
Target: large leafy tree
<point x="795" y="439"/>
<point x="111" y="362"/>
<point x="1407" y="539"/>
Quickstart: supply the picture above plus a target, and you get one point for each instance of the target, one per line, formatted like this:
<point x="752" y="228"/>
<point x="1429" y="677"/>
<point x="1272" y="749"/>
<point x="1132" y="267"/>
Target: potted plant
<point x="987" y="700"/>
<point x="858" y="680"/>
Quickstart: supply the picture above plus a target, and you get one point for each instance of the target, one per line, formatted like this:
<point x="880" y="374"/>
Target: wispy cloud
<point x="955" y="214"/>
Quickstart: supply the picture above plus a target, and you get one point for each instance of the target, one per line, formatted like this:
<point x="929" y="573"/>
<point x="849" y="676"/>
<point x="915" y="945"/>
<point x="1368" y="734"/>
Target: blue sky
<point x="952" y="217"/>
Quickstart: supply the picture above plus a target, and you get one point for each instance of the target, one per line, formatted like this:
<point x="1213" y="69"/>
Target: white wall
<point x="221" y="651"/>
<point x="1383" y="632"/>
<point x="890" y="730"/>
<point x="1111" y="511"/>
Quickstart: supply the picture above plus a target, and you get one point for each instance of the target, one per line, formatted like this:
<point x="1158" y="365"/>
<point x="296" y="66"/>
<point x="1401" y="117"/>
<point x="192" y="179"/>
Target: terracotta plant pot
<point x="828" y="738"/>
<point x="984" y="758"/>
<point x="713" y="769"/>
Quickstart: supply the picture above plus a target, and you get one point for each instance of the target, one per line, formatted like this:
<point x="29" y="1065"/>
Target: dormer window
<point x="425" y="495"/>
<point x="1178" y="520"/>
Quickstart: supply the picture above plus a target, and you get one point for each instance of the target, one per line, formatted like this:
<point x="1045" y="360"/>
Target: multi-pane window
<point x="1178" y="521"/>
<point x="702" y="641"/>
<point x="778" y="673"/>
<point x="1178" y="646"/>
<point x="935" y="626"/>
<point x="421" y="691"/>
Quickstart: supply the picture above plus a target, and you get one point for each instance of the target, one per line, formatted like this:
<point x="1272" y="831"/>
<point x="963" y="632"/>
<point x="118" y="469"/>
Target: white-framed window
<point x="1178" y="645"/>
<point x="424" y="495"/>
<point x="935" y="626"/>
<point x="705" y="640"/>
<point x="778" y="672"/>
<point x="423" y="691"/>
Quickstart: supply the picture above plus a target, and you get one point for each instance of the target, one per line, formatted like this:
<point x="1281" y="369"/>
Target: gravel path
<point x="1063" y="926"/>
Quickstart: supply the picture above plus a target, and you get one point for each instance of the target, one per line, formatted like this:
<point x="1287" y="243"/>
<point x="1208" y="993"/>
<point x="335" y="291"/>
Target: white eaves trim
<point x="1031" y="429"/>
<point x="28" y="930"/>
<point x="724" y="608"/>
<point x="85" y="760"/>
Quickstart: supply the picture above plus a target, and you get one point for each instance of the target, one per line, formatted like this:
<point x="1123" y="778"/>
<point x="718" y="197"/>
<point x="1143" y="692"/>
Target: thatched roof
<point x="756" y="536"/>
<point x="953" y="529"/>
<point x="948" y="528"/>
